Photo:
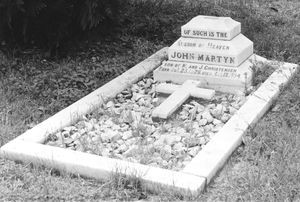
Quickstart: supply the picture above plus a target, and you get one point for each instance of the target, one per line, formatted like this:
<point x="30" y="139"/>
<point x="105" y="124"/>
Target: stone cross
<point x="179" y="94"/>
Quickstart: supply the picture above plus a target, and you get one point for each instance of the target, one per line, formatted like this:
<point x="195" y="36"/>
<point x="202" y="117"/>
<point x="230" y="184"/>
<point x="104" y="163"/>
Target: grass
<point x="265" y="168"/>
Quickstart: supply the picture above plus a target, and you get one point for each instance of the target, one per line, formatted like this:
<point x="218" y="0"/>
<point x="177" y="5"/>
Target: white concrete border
<point x="192" y="179"/>
<point x="215" y="153"/>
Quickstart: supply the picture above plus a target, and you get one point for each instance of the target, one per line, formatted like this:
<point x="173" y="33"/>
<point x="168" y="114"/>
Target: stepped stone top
<point x="235" y="46"/>
<point x="210" y="27"/>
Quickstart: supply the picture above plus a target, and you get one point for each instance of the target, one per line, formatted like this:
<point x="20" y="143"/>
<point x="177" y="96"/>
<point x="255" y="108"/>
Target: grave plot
<point x="123" y="127"/>
<point x="185" y="147"/>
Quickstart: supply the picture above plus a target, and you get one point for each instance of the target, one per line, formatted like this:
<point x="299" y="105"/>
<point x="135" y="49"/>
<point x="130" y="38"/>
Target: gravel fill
<point x="123" y="128"/>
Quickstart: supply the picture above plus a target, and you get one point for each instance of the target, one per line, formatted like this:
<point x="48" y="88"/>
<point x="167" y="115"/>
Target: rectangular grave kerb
<point x="29" y="147"/>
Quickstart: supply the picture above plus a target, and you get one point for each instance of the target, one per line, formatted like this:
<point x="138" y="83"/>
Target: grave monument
<point x="222" y="69"/>
<point x="211" y="50"/>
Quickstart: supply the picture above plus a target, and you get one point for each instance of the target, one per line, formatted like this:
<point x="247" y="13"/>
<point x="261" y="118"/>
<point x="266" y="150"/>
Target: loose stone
<point x="126" y="131"/>
<point x="193" y="151"/>
<point x="110" y="104"/>
<point x="105" y="152"/>
<point x="168" y="149"/>
<point x="232" y="110"/>
<point x="217" y="122"/>
<point x="178" y="147"/>
<point x="225" y="117"/>
<point x="203" y="122"/>
<point x="122" y="148"/>
<point x="126" y="135"/>
<point x="206" y="115"/>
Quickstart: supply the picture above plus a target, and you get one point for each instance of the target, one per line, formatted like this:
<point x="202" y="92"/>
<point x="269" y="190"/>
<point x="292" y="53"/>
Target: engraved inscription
<point x="202" y="33"/>
<point x="217" y="46"/>
<point x="202" y="57"/>
<point x="184" y="56"/>
<point x="201" y="70"/>
<point x="188" y="44"/>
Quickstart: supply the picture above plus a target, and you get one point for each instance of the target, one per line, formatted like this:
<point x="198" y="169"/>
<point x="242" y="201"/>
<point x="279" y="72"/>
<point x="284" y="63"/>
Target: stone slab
<point x="220" y="78"/>
<point x="211" y="27"/>
<point x="178" y="97"/>
<point x="102" y="168"/>
<point x="228" y="53"/>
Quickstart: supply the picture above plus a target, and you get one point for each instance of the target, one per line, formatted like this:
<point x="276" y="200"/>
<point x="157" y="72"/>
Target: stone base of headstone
<point x="235" y="80"/>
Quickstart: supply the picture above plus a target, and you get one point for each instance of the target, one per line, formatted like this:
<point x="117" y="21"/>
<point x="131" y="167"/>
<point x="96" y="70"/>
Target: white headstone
<point x="211" y="50"/>
<point x="210" y="27"/>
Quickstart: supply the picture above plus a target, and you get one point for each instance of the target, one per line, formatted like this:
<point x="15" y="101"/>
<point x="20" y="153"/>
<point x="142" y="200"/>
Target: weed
<point x="261" y="71"/>
<point x="131" y="183"/>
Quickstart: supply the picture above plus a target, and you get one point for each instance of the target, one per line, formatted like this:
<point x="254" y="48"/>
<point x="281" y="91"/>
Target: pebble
<point x="218" y="111"/>
<point x="109" y="123"/>
<point x="225" y="117"/>
<point x="179" y="147"/>
<point x="126" y="135"/>
<point x="193" y="150"/>
<point x="206" y="115"/>
<point x="169" y="144"/>
<point x="76" y="135"/>
<point x="120" y="142"/>
<point x="122" y="148"/>
<point x="134" y="88"/>
<point x="200" y="108"/>
<point x="208" y="127"/>
<point x="107" y="135"/>
<point x="180" y="131"/>
<point x="168" y="149"/>
<point x="203" y="122"/>
<point x="110" y="104"/>
<point x="164" y="163"/>
<point x="105" y="152"/>
<point x="217" y="122"/>
<point x="232" y="110"/>
<point x="131" y="141"/>
<point x="95" y="138"/>
<point x="202" y="140"/>
<point x="155" y="101"/>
